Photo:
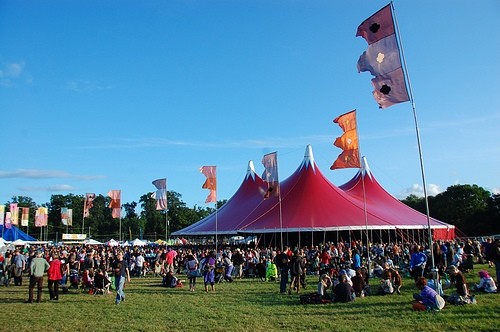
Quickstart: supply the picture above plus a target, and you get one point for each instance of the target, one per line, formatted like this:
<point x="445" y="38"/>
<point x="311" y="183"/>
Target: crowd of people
<point x="345" y="270"/>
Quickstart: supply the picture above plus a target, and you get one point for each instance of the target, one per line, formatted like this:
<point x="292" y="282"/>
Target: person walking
<point x="122" y="273"/>
<point x="54" y="276"/>
<point x="38" y="267"/>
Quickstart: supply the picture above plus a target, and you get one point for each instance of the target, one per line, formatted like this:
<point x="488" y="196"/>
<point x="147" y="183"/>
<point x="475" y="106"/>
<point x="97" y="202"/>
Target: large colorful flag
<point x="88" y="204"/>
<point x="348" y="142"/>
<point x="41" y="217"/>
<point x="64" y="216"/>
<point x="115" y="204"/>
<point x="161" y="194"/>
<point x="270" y="175"/>
<point x="210" y="183"/>
<point x="2" y="214"/>
<point x="70" y="217"/>
<point x="8" y="220"/>
<point x="14" y="213"/>
<point x="25" y="216"/>
<point x="382" y="58"/>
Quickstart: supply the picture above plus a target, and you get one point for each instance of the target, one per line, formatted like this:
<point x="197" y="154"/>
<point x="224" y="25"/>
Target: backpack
<point x="440" y="302"/>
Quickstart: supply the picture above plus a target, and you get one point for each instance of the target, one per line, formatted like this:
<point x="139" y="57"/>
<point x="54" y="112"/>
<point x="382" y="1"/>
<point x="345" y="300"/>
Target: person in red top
<point x="324" y="258"/>
<point x="54" y="274"/>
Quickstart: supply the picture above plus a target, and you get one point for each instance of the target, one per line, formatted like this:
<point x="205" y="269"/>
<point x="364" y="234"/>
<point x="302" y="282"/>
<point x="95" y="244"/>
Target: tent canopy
<point x="14" y="233"/>
<point x="309" y="202"/>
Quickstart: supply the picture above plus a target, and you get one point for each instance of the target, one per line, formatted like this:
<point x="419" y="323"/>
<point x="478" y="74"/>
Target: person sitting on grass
<point x="343" y="292"/>
<point x="461" y="296"/>
<point x="486" y="283"/>
<point x="323" y="285"/>
<point x="359" y="284"/>
<point x="427" y="299"/>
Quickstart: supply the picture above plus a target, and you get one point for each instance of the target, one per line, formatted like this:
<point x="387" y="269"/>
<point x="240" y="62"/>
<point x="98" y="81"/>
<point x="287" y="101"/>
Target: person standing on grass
<point x="19" y="262"/>
<point x="192" y="270"/>
<point x="417" y="262"/>
<point x="209" y="271"/>
<point x="54" y="276"/>
<point x="282" y="261"/>
<point x="38" y="267"/>
<point x="121" y="271"/>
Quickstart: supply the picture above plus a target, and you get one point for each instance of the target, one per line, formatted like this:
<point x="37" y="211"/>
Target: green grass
<point x="244" y="305"/>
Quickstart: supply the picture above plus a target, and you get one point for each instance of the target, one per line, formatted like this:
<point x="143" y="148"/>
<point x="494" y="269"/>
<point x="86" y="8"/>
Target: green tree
<point x="461" y="205"/>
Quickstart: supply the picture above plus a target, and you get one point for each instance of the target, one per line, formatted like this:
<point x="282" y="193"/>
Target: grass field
<point x="244" y="305"/>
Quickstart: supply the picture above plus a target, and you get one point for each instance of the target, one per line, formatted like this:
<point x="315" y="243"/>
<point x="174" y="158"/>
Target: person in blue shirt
<point x="356" y="260"/>
<point x="417" y="262"/>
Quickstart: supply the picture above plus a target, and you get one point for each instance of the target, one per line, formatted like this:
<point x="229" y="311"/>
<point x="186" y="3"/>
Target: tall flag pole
<point x="385" y="60"/>
<point x="270" y="176"/>
<point x="115" y="206"/>
<point x="161" y="200"/>
<point x="87" y="205"/>
<point x="350" y="158"/>
<point x="210" y="183"/>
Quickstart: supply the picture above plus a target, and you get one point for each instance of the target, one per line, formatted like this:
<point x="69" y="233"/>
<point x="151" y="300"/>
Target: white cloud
<point x="495" y="191"/>
<point x="44" y="174"/>
<point x="418" y="190"/>
<point x="83" y="86"/>
<point x="51" y="188"/>
<point x="11" y="72"/>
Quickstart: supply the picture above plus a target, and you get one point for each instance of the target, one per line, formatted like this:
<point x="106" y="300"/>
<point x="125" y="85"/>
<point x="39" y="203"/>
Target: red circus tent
<point x="309" y="202"/>
<point x="379" y="202"/>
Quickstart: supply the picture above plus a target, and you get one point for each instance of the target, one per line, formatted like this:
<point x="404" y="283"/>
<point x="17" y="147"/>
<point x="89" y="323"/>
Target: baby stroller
<point x="219" y="273"/>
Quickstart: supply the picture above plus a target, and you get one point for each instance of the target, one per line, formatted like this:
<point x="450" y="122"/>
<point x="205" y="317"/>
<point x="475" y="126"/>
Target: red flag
<point x="88" y="204"/>
<point x="115" y="204"/>
<point x="349" y="158"/>
<point x="377" y="26"/>
<point x="382" y="58"/>
<point x="161" y="194"/>
<point x="270" y="175"/>
<point x="210" y="183"/>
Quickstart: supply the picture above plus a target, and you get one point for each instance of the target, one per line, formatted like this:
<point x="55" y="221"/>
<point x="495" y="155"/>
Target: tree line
<point x="474" y="210"/>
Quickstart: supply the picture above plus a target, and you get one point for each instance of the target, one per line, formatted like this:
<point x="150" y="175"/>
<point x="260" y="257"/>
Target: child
<point x="486" y="283"/>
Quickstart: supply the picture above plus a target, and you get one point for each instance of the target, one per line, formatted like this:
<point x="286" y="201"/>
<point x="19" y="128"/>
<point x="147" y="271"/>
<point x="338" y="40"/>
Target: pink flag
<point x="14" y="213"/>
<point x="161" y="194"/>
<point x="390" y="88"/>
<point x="88" y="204"/>
<point x="382" y="58"/>
<point x="41" y="217"/>
<point x="115" y="204"/>
<point x="210" y="183"/>
<point x="270" y="175"/>
<point x="8" y="220"/>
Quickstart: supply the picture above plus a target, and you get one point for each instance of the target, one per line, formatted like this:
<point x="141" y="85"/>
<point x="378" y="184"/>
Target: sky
<point x="102" y="95"/>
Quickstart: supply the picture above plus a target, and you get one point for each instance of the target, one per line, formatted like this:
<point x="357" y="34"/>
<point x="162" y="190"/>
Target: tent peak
<point x="365" y="169"/>
<point x="308" y="157"/>
<point x="250" y="170"/>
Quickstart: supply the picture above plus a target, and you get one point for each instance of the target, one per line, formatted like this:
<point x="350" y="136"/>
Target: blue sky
<point x="101" y="95"/>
